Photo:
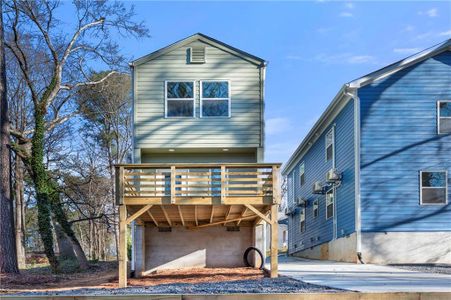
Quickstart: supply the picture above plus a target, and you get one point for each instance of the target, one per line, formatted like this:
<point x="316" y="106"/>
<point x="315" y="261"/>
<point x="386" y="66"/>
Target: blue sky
<point x="312" y="47"/>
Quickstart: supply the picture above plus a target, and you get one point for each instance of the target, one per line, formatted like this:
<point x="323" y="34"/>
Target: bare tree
<point x="63" y="71"/>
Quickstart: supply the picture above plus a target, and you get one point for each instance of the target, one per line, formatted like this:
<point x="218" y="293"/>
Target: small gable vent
<point x="197" y="55"/>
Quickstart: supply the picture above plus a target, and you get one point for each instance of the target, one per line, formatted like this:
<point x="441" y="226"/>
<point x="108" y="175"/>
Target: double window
<point x="330" y="204"/>
<point x="302" y="218"/>
<point x="433" y="187"/>
<point x="444" y="117"/>
<point x="214" y="96"/>
<point x="179" y="98"/>
<point x="330" y="147"/>
<point x="302" y="174"/>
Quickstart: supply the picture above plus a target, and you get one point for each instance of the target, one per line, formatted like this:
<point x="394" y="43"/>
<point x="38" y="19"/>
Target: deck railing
<point x="182" y="181"/>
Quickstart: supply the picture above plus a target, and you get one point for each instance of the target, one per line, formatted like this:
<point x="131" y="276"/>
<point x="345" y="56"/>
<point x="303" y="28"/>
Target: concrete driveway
<point x="363" y="278"/>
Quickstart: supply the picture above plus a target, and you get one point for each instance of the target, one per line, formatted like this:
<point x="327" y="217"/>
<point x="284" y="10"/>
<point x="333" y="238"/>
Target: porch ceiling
<point x="193" y="216"/>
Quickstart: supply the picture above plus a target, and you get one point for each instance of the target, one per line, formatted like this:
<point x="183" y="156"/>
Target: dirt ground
<point x="104" y="275"/>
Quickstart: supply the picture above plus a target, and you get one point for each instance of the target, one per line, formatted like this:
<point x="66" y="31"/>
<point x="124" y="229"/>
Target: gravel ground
<point x="427" y="268"/>
<point x="264" y="286"/>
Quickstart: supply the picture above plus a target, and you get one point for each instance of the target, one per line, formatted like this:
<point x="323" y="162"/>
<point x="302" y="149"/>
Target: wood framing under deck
<point x="197" y="196"/>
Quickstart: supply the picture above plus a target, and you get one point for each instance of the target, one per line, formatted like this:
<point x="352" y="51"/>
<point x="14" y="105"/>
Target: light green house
<point x="198" y="192"/>
<point x="198" y="100"/>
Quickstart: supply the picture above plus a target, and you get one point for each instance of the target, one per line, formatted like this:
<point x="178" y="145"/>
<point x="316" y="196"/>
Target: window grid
<point x="229" y="98"/>
<point x="422" y="188"/>
<point x="330" y="145"/>
<point x="302" y="174"/>
<point x="330" y="199"/>
<point x="440" y="117"/>
<point x="302" y="219"/>
<point x="166" y="99"/>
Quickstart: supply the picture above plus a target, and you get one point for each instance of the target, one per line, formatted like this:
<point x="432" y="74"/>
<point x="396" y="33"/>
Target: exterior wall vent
<point x="197" y="55"/>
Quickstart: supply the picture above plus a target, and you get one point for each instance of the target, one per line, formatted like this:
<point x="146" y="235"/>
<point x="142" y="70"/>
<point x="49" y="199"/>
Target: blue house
<point x="370" y="182"/>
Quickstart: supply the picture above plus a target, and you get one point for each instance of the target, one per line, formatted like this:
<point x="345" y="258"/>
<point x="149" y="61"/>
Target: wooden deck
<point x="197" y="196"/>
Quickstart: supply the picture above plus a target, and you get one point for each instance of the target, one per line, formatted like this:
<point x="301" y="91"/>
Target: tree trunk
<point x="66" y="250"/>
<point x="42" y="188"/>
<point x="8" y="256"/>
<point x="20" y="203"/>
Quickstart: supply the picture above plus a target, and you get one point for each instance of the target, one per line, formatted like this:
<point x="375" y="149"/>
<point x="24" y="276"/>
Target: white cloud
<point x="294" y="57"/>
<point x="360" y="59"/>
<point x="345" y="58"/>
<point x="349" y="5"/>
<point x="408" y="28"/>
<point x="432" y="13"/>
<point x="445" y="33"/>
<point x="406" y="50"/>
<point x="277" y="125"/>
<point x="346" y="14"/>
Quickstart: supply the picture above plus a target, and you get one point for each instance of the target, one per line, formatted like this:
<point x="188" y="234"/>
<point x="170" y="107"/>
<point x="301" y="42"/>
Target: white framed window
<point x="444" y="117"/>
<point x="330" y="200"/>
<point x="433" y="187"/>
<point x="330" y="144"/>
<point x="302" y="174"/>
<point x="215" y="100"/>
<point x="179" y="98"/>
<point x="302" y="219"/>
<point x="315" y="208"/>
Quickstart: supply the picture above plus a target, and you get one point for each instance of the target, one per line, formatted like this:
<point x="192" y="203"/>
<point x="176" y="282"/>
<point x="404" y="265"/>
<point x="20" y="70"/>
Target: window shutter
<point x="197" y="55"/>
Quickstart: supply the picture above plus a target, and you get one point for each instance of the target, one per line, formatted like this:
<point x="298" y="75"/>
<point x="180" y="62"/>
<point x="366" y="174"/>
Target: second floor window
<point x="302" y="174"/>
<point x="330" y="148"/>
<point x="444" y="117"/>
<point x="215" y="99"/>
<point x="179" y="98"/>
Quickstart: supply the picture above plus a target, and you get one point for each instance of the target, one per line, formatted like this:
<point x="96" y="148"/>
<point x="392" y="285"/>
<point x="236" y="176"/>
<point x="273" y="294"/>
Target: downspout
<point x="132" y="69"/>
<point x="354" y="95"/>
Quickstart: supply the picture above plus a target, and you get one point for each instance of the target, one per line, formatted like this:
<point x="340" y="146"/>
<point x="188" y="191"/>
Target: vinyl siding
<point x="153" y="130"/>
<point x="319" y="230"/>
<point x="398" y="139"/>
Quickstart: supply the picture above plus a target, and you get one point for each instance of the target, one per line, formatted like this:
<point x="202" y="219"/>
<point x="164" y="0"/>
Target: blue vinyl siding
<point x="398" y="139"/>
<point x="319" y="230"/>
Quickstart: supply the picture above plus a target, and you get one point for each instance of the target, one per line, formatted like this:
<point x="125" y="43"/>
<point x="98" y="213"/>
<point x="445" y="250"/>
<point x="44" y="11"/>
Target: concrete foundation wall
<point x="206" y="247"/>
<point x="342" y="249"/>
<point x="406" y="247"/>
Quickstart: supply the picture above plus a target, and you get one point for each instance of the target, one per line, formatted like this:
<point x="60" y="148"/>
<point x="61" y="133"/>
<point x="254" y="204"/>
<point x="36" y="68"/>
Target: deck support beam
<point x="122" y="246"/>
<point x="274" y="241"/>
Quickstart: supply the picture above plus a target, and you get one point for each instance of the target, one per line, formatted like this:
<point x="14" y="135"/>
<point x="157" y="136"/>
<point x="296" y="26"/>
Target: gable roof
<point x="349" y="88"/>
<point x="203" y="38"/>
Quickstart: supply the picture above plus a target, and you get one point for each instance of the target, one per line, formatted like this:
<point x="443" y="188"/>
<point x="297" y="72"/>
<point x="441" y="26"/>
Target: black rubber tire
<point x="246" y="254"/>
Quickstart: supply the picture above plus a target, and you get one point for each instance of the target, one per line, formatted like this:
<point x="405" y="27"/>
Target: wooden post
<point x="172" y="184"/>
<point x="122" y="246"/>
<point x="274" y="241"/>
<point x="119" y="185"/>
<point x="223" y="184"/>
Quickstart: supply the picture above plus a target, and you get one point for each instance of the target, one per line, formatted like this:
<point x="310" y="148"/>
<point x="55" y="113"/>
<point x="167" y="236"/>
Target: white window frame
<point x="331" y="191"/>
<point x="439" y="117"/>
<point x="166" y="99"/>
<point x="301" y="172"/>
<point x="430" y="187"/>
<point x="331" y="131"/>
<point x="302" y="219"/>
<point x="315" y="204"/>
<point x="229" y="99"/>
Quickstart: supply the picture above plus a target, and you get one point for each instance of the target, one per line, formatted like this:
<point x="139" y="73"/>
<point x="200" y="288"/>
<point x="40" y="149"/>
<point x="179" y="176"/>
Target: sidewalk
<point x="362" y="278"/>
